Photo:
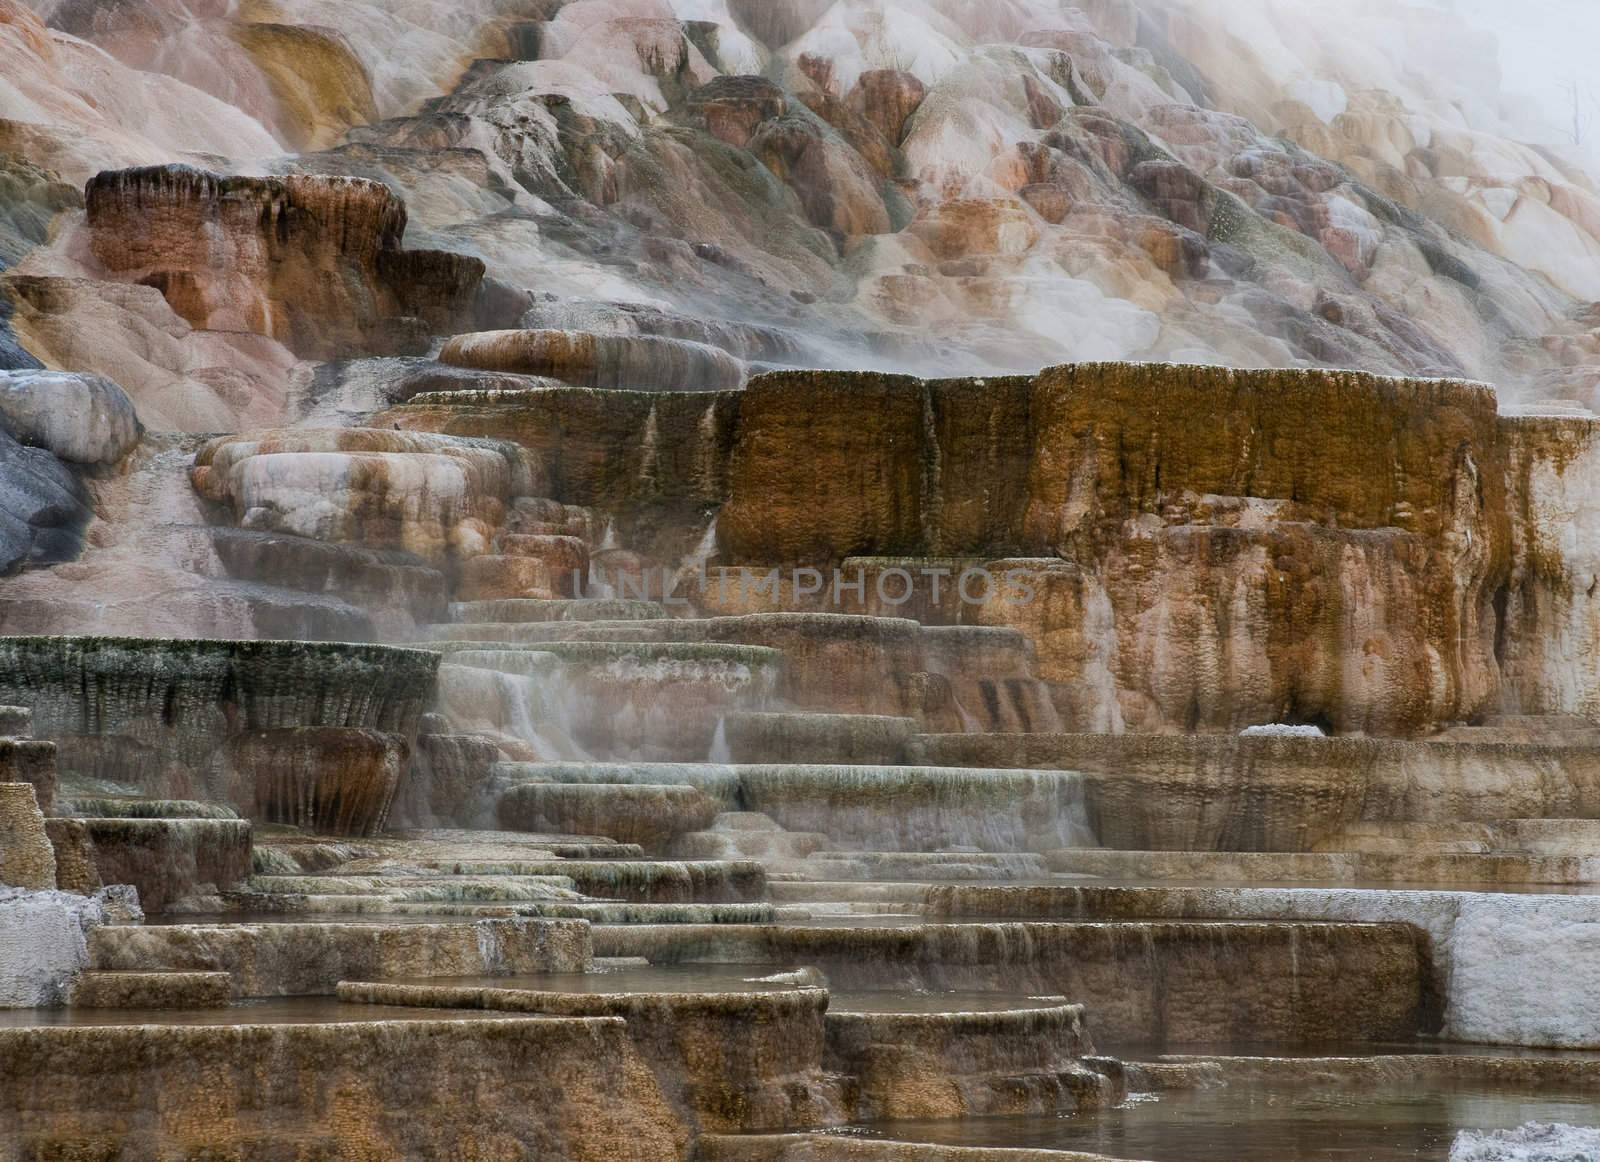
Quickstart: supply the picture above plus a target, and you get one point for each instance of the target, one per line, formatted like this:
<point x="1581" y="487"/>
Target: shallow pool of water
<point x="232" y="919"/>
<point x="1484" y="888"/>
<point x="749" y="978"/>
<point x="275" y="1011"/>
<point x="1245" y="1123"/>
<point x="672" y="978"/>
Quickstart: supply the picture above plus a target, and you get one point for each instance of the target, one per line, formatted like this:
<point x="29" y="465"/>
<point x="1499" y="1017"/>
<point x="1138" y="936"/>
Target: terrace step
<point x="1545" y="729"/>
<point x="750" y="835"/>
<point x="1151" y="982"/>
<point x="534" y="610"/>
<point x="1500" y="869"/>
<point x="309" y="959"/>
<point x="422" y="888"/>
<point x="1550" y="837"/>
<point x="933" y="865"/>
<point x="653" y="816"/>
<point x="868" y="807"/>
<point x="632" y="881"/>
<point x="844" y="739"/>
<point x="152" y="990"/>
<point x="764" y="1043"/>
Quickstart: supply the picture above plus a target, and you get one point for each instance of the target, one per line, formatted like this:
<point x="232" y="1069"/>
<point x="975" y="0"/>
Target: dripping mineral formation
<point x="795" y="581"/>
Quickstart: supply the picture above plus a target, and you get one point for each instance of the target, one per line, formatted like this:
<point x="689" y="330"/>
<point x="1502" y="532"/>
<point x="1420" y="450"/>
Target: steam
<point x="1545" y="50"/>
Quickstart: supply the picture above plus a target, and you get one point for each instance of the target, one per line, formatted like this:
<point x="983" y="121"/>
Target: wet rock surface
<point x="509" y="334"/>
<point x="159" y="716"/>
<point x="167" y="861"/>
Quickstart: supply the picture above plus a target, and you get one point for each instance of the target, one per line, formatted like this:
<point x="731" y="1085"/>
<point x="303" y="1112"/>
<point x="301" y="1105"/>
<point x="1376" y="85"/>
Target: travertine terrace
<point x="794" y="581"/>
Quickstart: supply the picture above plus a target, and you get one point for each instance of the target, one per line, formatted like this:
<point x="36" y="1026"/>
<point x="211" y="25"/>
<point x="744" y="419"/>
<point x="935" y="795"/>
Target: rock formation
<point x="590" y="360"/>
<point x="651" y="578"/>
<point x="1177" y="573"/>
<point x="332" y="780"/>
<point x="315" y="262"/>
<point x="434" y="496"/>
<point x="44" y="507"/>
<point x="174" y="720"/>
<point x="26" y="858"/>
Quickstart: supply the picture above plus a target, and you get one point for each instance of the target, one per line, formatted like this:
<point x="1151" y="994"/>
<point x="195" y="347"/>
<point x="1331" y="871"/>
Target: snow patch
<point x="1534" y="1142"/>
<point x="1281" y="730"/>
<point x="44" y="941"/>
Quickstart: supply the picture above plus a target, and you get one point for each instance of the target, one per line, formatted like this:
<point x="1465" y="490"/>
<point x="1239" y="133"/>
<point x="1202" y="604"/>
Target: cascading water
<point x="523" y="700"/>
<point x="720" y="753"/>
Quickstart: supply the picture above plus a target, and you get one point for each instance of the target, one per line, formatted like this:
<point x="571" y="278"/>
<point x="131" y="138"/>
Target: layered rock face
<point x="226" y="720"/>
<point x="1205" y="548"/>
<point x="1193" y="548"/>
<point x="616" y="451"/>
<point x="315" y="262"/>
<point x="334" y="780"/>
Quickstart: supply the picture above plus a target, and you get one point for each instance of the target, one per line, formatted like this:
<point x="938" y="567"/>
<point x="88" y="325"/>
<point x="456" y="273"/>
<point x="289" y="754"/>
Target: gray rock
<point x="83" y="418"/>
<point x="12" y="356"/>
<point x="43" y="507"/>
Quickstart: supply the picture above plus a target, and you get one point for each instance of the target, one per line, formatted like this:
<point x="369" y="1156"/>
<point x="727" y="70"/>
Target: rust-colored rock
<point x="887" y="98"/>
<point x="639" y="362"/>
<point x="975" y="227"/>
<point x="614" y="450"/>
<point x="566" y="558"/>
<point x="733" y="107"/>
<point x="500" y="578"/>
<point x="313" y="261"/>
<point x="319" y="81"/>
<point x="1224" y="528"/>
<point x="1177" y="192"/>
<point x="330" y="780"/>
<point x="837" y="188"/>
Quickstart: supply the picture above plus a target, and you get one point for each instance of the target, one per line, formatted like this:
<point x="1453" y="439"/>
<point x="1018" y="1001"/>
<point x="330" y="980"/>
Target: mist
<point x="1546" y="54"/>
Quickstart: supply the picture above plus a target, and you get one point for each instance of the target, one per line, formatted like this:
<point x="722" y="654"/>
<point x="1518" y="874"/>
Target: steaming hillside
<point x="1250" y="183"/>
<point x="460" y="518"/>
